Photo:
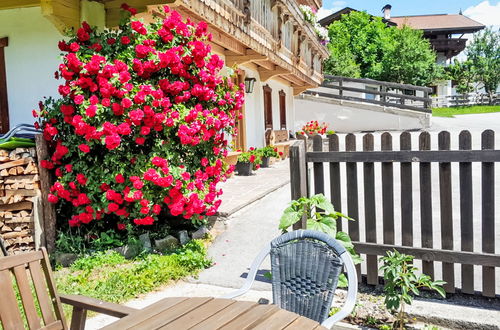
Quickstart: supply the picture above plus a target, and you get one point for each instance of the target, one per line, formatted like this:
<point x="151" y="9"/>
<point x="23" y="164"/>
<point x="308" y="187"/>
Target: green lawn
<point x="451" y="112"/>
<point x="110" y="277"/>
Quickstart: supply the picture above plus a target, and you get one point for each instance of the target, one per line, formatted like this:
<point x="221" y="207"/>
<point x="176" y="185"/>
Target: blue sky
<point x="484" y="11"/>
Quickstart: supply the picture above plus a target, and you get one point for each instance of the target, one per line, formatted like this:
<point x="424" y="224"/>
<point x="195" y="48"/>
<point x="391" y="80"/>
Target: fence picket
<point x="446" y="212"/>
<point x="335" y="192"/>
<point x="319" y="177"/>
<point x="352" y="194"/>
<point x="488" y="212"/>
<point x="387" y="192"/>
<point x="426" y="203"/>
<point x="370" y="214"/>
<point x="406" y="193"/>
<point x="466" y="228"/>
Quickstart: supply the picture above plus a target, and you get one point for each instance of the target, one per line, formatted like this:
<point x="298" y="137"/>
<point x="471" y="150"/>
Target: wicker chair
<point x="305" y="266"/>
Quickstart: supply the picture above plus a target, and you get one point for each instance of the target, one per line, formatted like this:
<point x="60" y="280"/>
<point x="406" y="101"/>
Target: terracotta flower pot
<point x="244" y="168"/>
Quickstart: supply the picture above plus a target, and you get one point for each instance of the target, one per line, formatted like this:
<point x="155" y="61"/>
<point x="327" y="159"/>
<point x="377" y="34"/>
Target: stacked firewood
<point x="19" y="189"/>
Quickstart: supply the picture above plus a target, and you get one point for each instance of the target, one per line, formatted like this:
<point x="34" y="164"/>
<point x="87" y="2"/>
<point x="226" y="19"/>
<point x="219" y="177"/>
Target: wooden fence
<point x="382" y="93"/>
<point x="451" y="250"/>
<point x="460" y="100"/>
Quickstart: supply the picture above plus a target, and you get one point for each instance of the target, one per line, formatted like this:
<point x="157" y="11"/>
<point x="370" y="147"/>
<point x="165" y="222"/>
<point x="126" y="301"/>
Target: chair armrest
<point x="251" y="274"/>
<point x="96" y="305"/>
<point x="352" y="291"/>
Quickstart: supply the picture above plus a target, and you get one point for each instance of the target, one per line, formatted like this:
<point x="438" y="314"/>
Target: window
<point x="268" y="107"/>
<point x="4" y="105"/>
<point x="282" y="95"/>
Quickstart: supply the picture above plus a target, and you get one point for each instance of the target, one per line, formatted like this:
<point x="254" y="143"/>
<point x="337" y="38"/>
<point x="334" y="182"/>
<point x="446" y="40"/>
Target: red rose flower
<point x="125" y="40"/>
<point x="84" y="148"/>
<point x="119" y="178"/>
<point x="52" y="198"/>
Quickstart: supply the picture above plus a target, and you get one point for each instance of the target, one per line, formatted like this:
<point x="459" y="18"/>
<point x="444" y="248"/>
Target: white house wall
<point x="31" y="58"/>
<point x="254" y="108"/>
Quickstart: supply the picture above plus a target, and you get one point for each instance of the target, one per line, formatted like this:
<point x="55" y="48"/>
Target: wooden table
<point x="212" y="313"/>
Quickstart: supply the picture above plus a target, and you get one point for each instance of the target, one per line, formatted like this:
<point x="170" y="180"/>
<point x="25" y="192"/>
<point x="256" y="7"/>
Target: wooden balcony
<point x="269" y="33"/>
<point x="451" y="47"/>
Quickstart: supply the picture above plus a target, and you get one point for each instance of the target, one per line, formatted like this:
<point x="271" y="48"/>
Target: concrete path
<point x="241" y="191"/>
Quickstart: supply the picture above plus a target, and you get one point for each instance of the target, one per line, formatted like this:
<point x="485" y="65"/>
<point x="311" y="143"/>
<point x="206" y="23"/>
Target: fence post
<point x="427" y="102"/>
<point x="298" y="175"/>
<point x="49" y="212"/>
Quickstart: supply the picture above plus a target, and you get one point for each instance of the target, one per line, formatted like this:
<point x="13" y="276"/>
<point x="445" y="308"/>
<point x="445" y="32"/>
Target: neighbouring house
<point x="444" y="31"/>
<point x="276" y="53"/>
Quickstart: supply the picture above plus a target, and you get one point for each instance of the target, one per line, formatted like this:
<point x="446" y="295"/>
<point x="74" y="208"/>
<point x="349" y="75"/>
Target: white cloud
<point x="323" y="12"/>
<point x="485" y="13"/>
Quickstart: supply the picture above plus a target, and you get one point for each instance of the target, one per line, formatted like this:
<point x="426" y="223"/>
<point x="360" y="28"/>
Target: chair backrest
<point x="28" y="293"/>
<point x="282" y="135"/>
<point x="305" y="268"/>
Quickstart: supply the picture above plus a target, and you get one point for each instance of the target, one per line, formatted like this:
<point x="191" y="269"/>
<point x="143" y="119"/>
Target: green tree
<point x="408" y="58"/>
<point x="363" y="46"/>
<point x="464" y="75"/>
<point x="484" y="54"/>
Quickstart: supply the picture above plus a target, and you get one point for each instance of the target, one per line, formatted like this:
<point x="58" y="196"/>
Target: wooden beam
<point x="226" y="41"/>
<point x="64" y="14"/>
<point x="265" y="75"/>
<point x="265" y="64"/>
<point x="12" y="4"/>
<point x="113" y="9"/>
<point x="240" y="59"/>
<point x="300" y="89"/>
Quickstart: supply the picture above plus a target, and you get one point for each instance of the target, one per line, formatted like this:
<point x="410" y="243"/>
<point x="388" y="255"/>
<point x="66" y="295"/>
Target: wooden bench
<point x="280" y="139"/>
<point x="34" y="267"/>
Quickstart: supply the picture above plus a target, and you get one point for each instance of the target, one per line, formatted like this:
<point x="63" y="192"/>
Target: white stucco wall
<point x="350" y="117"/>
<point x="254" y="108"/>
<point x="31" y="59"/>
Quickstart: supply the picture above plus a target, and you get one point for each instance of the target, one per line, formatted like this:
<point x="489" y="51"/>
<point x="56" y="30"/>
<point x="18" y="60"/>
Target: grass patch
<point x="451" y="112"/>
<point x="110" y="277"/>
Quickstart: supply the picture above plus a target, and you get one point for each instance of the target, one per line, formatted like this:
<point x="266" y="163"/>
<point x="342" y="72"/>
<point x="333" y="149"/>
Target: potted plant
<point x="266" y="153"/>
<point x="313" y="128"/>
<point x="247" y="161"/>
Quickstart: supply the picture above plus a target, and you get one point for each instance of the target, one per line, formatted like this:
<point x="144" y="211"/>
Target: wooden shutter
<point x="4" y="105"/>
<point x="268" y="107"/>
<point x="282" y="95"/>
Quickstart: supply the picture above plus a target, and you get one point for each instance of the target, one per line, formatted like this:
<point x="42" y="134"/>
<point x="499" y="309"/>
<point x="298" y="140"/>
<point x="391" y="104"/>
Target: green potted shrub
<point x="266" y="153"/>
<point x="248" y="161"/>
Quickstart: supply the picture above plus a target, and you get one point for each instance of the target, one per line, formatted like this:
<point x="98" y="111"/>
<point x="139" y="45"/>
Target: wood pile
<point x="19" y="189"/>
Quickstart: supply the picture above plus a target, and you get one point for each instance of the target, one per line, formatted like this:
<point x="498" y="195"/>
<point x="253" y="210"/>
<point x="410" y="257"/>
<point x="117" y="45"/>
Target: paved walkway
<point x="240" y="191"/>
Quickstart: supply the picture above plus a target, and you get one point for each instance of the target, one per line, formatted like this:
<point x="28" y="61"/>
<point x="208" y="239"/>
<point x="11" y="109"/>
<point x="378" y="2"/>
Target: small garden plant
<point x="268" y="151"/>
<point x="402" y="283"/>
<point x="314" y="127"/>
<point x="321" y="216"/>
<point x="251" y="156"/>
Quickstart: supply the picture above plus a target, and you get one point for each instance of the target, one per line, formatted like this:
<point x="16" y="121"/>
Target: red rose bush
<point x="142" y="123"/>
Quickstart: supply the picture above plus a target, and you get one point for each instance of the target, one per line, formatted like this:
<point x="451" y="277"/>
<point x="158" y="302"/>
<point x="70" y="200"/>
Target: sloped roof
<point x="441" y="22"/>
<point x="326" y="21"/>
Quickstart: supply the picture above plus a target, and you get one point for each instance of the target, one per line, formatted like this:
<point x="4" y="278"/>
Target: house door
<point x="282" y="95"/>
<point x="4" y="105"/>
<point x="268" y="107"/>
